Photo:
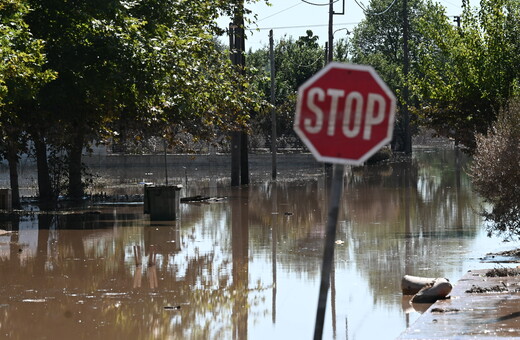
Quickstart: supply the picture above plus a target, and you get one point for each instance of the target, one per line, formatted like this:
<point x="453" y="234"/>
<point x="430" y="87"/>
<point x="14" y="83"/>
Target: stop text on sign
<point x="344" y="113"/>
<point x="353" y="113"/>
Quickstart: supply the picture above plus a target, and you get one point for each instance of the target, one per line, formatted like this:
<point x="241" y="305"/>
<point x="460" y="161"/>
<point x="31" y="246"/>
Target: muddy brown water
<point x="247" y="267"/>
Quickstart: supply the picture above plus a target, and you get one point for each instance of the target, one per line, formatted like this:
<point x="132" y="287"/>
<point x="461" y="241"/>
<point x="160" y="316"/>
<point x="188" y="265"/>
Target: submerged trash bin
<point x="5" y="199"/>
<point x="162" y="202"/>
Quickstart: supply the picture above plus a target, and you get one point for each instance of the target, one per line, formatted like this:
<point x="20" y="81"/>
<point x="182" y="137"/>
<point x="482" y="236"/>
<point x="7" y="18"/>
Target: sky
<point x="295" y="17"/>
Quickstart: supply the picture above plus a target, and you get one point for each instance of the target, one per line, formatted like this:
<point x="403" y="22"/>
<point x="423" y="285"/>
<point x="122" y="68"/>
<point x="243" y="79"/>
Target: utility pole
<point x="241" y="51"/>
<point x="239" y="139"/>
<point x="330" y="50"/>
<point x="326" y="59"/>
<point x="273" y="109"/>
<point x="457" y="20"/>
<point x="235" y="135"/>
<point x="406" y="71"/>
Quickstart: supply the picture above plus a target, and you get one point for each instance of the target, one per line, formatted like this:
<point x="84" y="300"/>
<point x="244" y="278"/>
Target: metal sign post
<point x="328" y="252"/>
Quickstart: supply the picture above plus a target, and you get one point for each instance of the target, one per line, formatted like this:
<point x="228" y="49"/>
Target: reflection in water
<point x="247" y="267"/>
<point x="240" y="251"/>
<point x="138" y="275"/>
<point x="152" y="269"/>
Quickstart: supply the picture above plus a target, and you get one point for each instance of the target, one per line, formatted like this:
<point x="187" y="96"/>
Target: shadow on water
<point x="248" y="266"/>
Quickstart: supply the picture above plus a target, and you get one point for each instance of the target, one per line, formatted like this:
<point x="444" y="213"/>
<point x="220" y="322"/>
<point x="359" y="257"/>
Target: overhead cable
<point x="361" y="6"/>
<point x="283" y="10"/>
<point x="316" y="4"/>
<point x="367" y="12"/>
<point x="301" y="26"/>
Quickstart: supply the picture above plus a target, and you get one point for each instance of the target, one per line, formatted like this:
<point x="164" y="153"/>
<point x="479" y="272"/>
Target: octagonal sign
<point x="345" y="113"/>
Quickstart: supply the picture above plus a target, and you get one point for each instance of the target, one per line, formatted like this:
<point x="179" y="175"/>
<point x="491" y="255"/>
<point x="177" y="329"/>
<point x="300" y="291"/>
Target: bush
<point x="495" y="171"/>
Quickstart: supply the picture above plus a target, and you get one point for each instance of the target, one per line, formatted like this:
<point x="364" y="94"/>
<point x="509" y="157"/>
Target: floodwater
<point x="248" y="266"/>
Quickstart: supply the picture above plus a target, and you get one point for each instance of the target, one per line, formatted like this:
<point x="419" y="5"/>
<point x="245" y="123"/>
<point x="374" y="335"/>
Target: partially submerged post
<point x="5" y="199"/>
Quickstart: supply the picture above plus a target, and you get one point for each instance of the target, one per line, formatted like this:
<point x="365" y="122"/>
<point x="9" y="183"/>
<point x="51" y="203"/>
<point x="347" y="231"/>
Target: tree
<point x="21" y="76"/>
<point x="378" y="41"/>
<point x="467" y="73"/>
<point x="295" y="62"/>
<point x="139" y="66"/>
<point x="495" y="172"/>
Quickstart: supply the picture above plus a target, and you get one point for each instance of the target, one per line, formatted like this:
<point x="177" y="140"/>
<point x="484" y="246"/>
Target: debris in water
<point x="199" y="198"/>
<point x="503" y="272"/>
<point x="172" y="307"/>
<point x="480" y="290"/>
<point x="34" y="300"/>
<point x="445" y="310"/>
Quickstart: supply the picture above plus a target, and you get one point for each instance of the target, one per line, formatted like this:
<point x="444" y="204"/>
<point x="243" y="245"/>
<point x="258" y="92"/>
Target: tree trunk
<point x="244" y="159"/>
<point x="12" y="158"/>
<point x="47" y="197"/>
<point x="75" y="183"/>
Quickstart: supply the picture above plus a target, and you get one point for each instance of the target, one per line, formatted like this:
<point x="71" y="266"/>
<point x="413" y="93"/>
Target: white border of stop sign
<point x="353" y="113"/>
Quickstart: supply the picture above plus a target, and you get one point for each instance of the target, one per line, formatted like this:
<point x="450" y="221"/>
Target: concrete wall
<point x="221" y="161"/>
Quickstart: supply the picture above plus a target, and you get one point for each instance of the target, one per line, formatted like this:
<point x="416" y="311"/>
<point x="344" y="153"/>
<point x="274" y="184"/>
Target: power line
<point x="361" y="6"/>
<point x="367" y="12"/>
<point x="283" y="10"/>
<point x="312" y="64"/>
<point x="386" y="10"/>
<point x="449" y="2"/>
<point x="316" y="4"/>
<point x="302" y="26"/>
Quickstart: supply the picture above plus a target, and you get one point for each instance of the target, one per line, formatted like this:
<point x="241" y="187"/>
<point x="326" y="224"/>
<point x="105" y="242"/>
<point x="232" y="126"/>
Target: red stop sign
<point x="345" y="113"/>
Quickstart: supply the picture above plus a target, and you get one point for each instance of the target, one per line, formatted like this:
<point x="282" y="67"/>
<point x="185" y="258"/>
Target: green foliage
<point x="466" y="74"/>
<point x="378" y="41"/>
<point x="295" y="62"/>
<point x="496" y="173"/>
<point x="21" y="55"/>
<point x="145" y="65"/>
<point x="21" y="74"/>
<point x="108" y="68"/>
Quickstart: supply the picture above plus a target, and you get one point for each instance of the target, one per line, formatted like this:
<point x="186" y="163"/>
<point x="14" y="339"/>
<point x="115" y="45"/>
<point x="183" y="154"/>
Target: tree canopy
<point x="295" y="62"/>
<point x="22" y="74"/>
<point x="467" y="73"/>
<point x="379" y="41"/>
<point x="99" y="69"/>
